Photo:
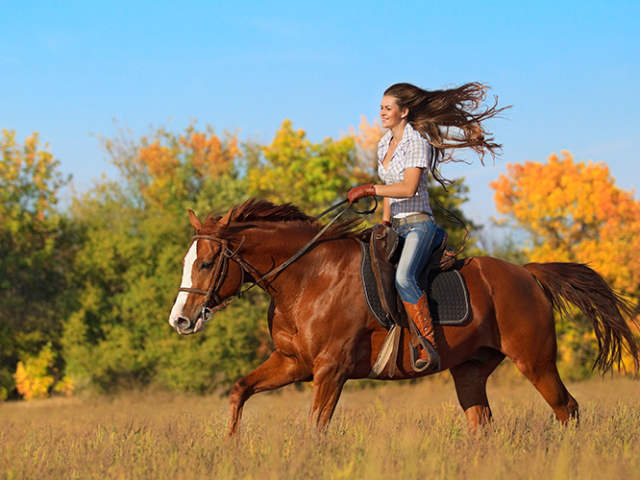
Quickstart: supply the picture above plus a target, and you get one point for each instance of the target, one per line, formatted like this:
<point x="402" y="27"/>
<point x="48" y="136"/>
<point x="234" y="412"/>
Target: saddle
<point x="437" y="278"/>
<point x="445" y="287"/>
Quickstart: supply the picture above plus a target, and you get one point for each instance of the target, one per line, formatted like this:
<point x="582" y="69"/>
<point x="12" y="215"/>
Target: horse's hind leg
<point x="470" y="379"/>
<point x="278" y="371"/>
<point x="546" y="379"/>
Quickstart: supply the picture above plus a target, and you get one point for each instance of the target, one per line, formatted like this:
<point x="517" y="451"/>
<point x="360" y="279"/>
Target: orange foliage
<point x="169" y="165"/>
<point x="575" y="212"/>
<point x="210" y="158"/>
<point x="367" y="140"/>
<point x="34" y="376"/>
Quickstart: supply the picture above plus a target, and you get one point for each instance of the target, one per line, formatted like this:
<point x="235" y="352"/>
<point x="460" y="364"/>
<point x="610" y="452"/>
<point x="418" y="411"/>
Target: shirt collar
<point x="408" y="134"/>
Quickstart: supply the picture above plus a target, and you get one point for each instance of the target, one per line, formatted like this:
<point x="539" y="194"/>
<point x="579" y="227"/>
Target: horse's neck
<point x="279" y="243"/>
<point x="270" y="249"/>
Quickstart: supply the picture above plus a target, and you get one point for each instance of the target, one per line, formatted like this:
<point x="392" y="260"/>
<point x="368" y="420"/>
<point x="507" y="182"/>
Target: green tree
<point x="134" y="234"/>
<point x="293" y="169"/>
<point x="36" y="249"/>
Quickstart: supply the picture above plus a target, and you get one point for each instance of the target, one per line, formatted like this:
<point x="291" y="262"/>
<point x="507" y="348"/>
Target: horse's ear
<point x="195" y="222"/>
<point x="226" y="220"/>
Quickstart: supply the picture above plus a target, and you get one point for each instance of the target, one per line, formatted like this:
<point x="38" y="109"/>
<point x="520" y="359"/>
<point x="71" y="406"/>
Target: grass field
<point x="396" y="431"/>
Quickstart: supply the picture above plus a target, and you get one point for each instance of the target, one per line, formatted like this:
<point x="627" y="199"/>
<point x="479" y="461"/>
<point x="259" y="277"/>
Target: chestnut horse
<point x="323" y="331"/>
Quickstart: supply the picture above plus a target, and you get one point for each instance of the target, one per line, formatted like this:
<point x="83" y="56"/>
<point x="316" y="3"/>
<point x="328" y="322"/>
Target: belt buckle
<point x="398" y="222"/>
<point x="416" y="217"/>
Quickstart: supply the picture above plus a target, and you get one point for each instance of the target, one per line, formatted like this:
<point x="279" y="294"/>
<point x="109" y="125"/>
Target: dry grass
<point x="398" y="431"/>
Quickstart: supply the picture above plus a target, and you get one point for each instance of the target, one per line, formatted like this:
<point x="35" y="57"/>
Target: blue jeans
<point x="418" y="241"/>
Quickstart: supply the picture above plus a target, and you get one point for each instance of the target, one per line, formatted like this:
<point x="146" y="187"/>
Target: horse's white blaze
<point x="189" y="265"/>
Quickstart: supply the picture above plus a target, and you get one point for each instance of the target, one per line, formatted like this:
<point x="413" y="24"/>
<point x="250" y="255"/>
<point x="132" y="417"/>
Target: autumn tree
<point x="367" y="138"/>
<point x="164" y="170"/>
<point x="574" y="212"/>
<point x="134" y="233"/>
<point x="36" y="249"/>
<point x="294" y="169"/>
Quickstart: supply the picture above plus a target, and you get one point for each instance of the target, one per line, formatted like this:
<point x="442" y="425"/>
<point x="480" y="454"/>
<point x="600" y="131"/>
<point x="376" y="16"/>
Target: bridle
<point x="218" y="276"/>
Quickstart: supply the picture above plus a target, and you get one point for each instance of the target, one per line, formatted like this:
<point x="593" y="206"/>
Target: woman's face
<point x="390" y="112"/>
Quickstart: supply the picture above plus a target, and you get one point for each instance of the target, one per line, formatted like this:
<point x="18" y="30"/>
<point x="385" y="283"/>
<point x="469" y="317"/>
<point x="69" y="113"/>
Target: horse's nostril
<point x="183" y="323"/>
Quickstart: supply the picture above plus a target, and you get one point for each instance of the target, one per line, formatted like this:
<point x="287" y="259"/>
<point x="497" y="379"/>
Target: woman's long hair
<point x="450" y="119"/>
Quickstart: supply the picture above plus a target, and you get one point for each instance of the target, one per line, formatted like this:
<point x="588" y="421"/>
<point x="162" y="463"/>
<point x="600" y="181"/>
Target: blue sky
<point x="571" y="70"/>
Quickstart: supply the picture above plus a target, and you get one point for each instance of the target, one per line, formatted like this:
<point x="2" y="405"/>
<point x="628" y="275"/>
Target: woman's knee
<point x="402" y="283"/>
<point x="408" y="290"/>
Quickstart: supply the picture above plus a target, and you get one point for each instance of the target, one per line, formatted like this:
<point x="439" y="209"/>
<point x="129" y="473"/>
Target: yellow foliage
<point x="34" y="379"/>
<point x="575" y="212"/>
<point x="310" y="175"/>
<point x="65" y="386"/>
<point x="26" y="172"/>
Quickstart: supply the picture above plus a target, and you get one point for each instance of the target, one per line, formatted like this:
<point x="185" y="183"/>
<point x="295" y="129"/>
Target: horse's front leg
<point x="278" y="371"/>
<point x="328" y="379"/>
<point x="470" y="379"/>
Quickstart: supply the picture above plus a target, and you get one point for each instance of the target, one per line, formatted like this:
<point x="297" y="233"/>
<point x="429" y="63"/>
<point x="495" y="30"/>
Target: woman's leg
<point x="418" y="245"/>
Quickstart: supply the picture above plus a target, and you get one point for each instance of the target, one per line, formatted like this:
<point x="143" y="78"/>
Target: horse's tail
<point x="578" y="284"/>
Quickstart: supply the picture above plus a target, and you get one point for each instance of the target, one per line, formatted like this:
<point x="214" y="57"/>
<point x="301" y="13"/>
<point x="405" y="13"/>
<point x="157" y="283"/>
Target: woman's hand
<point x="362" y="191"/>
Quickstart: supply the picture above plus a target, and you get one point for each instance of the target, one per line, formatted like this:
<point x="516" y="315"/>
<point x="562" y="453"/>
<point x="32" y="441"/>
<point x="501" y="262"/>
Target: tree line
<point x="85" y="290"/>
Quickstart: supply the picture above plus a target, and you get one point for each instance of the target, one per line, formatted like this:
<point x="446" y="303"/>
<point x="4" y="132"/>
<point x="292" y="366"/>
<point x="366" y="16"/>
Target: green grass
<point x="397" y="431"/>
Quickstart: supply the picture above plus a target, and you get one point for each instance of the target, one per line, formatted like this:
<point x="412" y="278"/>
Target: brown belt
<point x="418" y="217"/>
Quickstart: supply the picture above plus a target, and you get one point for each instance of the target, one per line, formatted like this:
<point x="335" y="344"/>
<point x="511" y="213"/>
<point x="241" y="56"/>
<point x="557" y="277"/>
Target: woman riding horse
<point x="320" y="322"/>
<point x="419" y="139"/>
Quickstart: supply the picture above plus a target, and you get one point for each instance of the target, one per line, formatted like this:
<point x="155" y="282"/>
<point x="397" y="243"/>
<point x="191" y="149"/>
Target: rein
<point x="453" y="218"/>
<point x="219" y="274"/>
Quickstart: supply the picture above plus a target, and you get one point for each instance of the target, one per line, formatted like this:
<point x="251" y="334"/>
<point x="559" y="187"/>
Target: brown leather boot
<point x="429" y="358"/>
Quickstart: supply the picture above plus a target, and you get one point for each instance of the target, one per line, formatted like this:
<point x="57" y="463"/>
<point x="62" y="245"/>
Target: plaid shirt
<point x="412" y="151"/>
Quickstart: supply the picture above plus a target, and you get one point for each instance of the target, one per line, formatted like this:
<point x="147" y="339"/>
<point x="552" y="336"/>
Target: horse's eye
<point x="206" y="266"/>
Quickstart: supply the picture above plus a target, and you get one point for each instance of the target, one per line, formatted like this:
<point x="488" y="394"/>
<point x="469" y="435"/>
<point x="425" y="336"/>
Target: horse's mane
<point x="260" y="210"/>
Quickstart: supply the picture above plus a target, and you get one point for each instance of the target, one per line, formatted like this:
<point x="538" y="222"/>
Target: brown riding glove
<point x="362" y="191"/>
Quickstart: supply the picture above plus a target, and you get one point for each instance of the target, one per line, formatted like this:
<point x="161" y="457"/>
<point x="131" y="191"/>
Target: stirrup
<point x="420" y="365"/>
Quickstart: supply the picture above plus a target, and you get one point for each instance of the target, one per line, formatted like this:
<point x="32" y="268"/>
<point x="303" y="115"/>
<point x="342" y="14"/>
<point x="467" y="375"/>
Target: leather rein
<point x="218" y="276"/>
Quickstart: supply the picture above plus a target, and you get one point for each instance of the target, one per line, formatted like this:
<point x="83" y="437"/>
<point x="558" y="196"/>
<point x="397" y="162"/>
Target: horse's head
<point x="211" y="274"/>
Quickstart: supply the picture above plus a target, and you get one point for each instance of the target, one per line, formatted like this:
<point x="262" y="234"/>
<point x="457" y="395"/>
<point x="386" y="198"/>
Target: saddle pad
<point x="371" y="289"/>
<point x="447" y="293"/>
<point x="448" y="297"/>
